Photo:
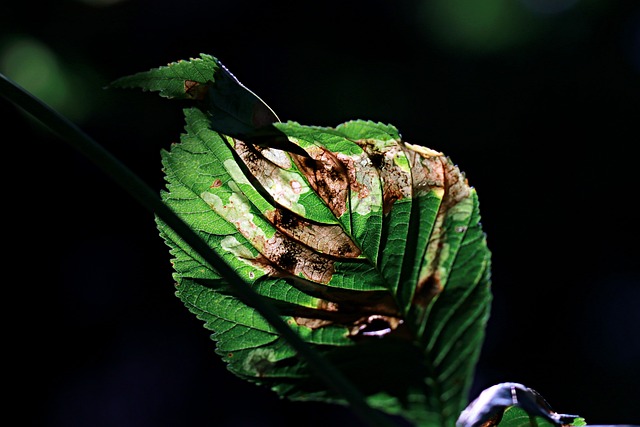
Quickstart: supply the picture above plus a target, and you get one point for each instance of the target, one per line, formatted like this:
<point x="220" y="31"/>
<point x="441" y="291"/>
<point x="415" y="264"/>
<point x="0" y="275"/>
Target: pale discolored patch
<point x="275" y="180"/>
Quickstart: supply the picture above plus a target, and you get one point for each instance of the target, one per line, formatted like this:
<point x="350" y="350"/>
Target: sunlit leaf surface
<point x="370" y="247"/>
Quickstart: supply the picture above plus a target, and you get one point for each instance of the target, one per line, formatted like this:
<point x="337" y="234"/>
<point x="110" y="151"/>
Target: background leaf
<point x="513" y="405"/>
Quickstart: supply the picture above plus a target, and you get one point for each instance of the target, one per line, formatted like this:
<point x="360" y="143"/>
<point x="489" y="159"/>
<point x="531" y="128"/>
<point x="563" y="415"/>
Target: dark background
<point x="537" y="101"/>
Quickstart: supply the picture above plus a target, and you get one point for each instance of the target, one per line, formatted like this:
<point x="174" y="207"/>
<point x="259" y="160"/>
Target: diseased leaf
<point x="370" y="247"/>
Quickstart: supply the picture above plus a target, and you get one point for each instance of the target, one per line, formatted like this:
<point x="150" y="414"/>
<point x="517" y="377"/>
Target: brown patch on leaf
<point x="216" y="183"/>
<point x="435" y="172"/>
<point x="296" y="259"/>
<point x="364" y="314"/>
<point x="355" y="171"/>
<point x="494" y="420"/>
<point x="375" y="325"/>
<point x="327" y="176"/>
<point x="427" y="172"/>
<point x="361" y="323"/>
<point x="327" y="306"/>
<point x="344" y="307"/>
<point x="324" y="238"/>
<point x="456" y="184"/>
<point x="396" y="182"/>
<point x="312" y="323"/>
<point x="195" y="90"/>
<point x="264" y="172"/>
<point x="341" y="305"/>
<point x="255" y="162"/>
<point x="426" y="290"/>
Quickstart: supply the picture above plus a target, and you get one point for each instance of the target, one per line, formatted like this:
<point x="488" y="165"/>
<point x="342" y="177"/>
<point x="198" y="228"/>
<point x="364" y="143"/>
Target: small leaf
<point x="230" y="104"/>
<point x="513" y="405"/>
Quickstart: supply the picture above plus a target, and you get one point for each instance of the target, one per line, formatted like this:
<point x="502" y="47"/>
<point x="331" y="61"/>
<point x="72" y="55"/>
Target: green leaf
<point x="206" y="80"/>
<point x="371" y="248"/>
<point x="517" y="417"/>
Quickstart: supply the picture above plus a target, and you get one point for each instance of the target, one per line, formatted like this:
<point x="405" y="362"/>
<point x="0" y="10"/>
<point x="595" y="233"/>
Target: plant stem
<point x="130" y="182"/>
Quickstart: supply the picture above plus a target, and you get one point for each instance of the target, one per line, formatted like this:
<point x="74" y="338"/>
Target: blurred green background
<point x="538" y="101"/>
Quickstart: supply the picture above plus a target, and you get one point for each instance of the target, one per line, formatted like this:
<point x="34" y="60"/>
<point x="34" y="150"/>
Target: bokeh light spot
<point x="34" y="66"/>
<point x="476" y="26"/>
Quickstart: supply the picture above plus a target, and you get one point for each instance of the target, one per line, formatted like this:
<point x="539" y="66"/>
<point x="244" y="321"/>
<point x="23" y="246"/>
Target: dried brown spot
<point x="426" y="290"/>
<point x="396" y="182"/>
<point x="216" y="183"/>
<point x="288" y="259"/>
<point x="327" y="176"/>
<point x="296" y="259"/>
<point x="313" y="323"/>
<point x="327" y="305"/>
<point x="195" y="90"/>
<point x="494" y="420"/>
<point x="431" y="172"/>
<point x="359" y="322"/>
<point x="456" y="184"/>
<point x="427" y="172"/>
<point x="324" y="238"/>
<point x="375" y="325"/>
<point x="286" y="219"/>
<point x="364" y="314"/>
<point x="377" y="159"/>
<point x="249" y="155"/>
<point x="347" y="249"/>
<point x="264" y="172"/>
<point x="351" y="173"/>
<point x="440" y="174"/>
<point x="190" y="85"/>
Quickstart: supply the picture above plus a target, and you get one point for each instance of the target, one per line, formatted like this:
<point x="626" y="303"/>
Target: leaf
<point x="513" y="405"/>
<point x="371" y="248"/>
<point x="206" y="79"/>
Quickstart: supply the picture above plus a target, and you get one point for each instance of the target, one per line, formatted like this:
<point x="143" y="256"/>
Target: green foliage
<point x="517" y="417"/>
<point x="513" y="405"/>
<point x="371" y="248"/>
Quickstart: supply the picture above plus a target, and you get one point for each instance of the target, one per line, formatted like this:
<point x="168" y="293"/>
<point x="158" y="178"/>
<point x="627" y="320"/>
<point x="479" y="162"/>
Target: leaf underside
<point x="371" y="248"/>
